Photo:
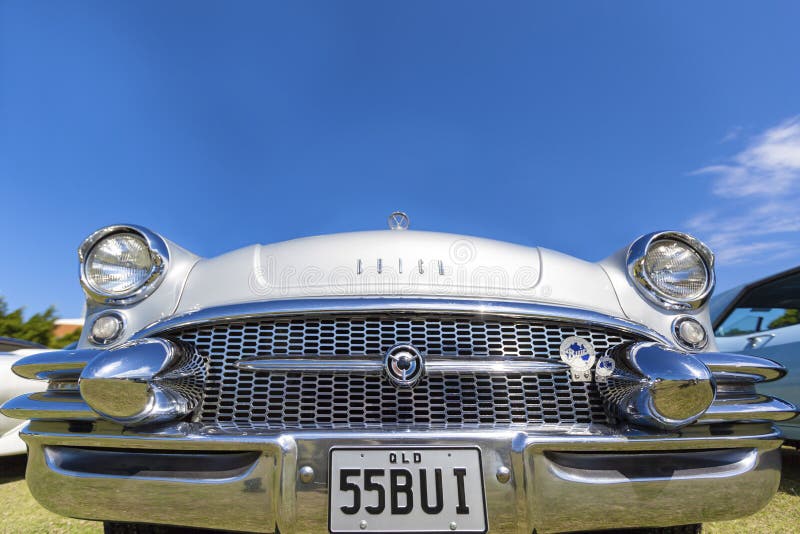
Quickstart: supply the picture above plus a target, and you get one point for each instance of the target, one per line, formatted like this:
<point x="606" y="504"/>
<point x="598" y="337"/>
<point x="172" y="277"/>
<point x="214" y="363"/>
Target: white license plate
<point x="406" y="490"/>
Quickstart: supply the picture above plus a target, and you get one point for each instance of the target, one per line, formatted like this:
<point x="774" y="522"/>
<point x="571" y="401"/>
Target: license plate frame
<point x="441" y="449"/>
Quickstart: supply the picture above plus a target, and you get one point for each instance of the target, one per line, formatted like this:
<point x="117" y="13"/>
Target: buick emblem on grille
<point x="404" y="365"/>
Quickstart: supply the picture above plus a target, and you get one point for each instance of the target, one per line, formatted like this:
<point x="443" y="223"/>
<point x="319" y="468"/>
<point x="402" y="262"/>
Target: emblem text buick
<point x="422" y="405"/>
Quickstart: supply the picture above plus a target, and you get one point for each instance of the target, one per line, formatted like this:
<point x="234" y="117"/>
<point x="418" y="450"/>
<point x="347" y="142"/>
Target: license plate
<point x="406" y="490"/>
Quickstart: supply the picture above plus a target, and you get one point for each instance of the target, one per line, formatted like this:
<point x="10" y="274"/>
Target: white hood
<point x="397" y="263"/>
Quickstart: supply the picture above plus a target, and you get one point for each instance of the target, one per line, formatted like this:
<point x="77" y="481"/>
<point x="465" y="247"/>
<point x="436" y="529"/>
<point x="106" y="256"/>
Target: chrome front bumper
<point x="561" y="479"/>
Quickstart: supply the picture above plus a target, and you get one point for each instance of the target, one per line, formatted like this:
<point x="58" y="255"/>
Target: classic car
<point x="398" y="381"/>
<point x="11" y="385"/>
<point x="762" y="318"/>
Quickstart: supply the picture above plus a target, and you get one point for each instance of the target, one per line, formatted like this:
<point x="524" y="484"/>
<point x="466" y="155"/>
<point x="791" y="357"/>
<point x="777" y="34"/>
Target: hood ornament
<point x="398" y="220"/>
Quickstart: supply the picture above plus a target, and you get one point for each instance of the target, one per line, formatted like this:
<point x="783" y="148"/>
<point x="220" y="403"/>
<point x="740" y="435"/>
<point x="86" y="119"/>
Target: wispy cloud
<point x="760" y="214"/>
<point x="732" y="134"/>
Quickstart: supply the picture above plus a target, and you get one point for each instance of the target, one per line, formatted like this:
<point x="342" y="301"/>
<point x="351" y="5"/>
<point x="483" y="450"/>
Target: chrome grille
<point x="252" y="400"/>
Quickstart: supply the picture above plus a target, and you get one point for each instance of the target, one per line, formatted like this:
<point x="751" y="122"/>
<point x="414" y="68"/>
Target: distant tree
<point x="788" y="318"/>
<point x="63" y="341"/>
<point x="38" y="328"/>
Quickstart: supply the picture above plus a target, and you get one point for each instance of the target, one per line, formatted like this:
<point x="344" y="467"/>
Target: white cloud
<point x="740" y="252"/>
<point x="760" y="216"/>
<point x="732" y="134"/>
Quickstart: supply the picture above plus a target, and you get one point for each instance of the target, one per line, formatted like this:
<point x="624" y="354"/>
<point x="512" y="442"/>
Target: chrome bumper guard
<point x="561" y="480"/>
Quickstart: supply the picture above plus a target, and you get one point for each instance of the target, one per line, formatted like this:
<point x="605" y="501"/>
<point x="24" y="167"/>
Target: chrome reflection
<point x="754" y="408"/>
<point x="732" y="368"/>
<point x="48" y="405"/>
<point x="654" y="386"/>
<point x="54" y="365"/>
<point x="145" y="381"/>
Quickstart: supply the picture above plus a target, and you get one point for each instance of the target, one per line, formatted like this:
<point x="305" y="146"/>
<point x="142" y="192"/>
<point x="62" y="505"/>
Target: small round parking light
<point x="690" y="333"/>
<point x="106" y="329"/>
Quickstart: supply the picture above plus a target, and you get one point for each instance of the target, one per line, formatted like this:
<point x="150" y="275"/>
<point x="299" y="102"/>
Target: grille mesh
<point x="257" y="400"/>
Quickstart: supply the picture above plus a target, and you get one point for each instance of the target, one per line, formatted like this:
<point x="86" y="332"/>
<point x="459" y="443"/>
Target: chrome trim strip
<point x="400" y="305"/>
<point x="196" y="436"/>
<point x="313" y="365"/>
<point x="755" y="408"/>
<point x="741" y="367"/>
<point x="48" y="405"/>
<point x="54" y="365"/>
<point x="432" y="366"/>
<point x="494" y="366"/>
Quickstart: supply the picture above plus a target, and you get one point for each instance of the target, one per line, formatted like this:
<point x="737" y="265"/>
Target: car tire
<point x="682" y="529"/>
<point x="142" y="528"/>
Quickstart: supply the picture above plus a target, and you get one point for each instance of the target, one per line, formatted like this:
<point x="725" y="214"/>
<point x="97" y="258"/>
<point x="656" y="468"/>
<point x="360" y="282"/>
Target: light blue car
<point x="763" y="318"/>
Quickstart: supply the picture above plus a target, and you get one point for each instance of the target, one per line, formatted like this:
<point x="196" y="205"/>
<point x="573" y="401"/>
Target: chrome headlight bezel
<point x="638" y="275"/>
<point x="159" y="252"/>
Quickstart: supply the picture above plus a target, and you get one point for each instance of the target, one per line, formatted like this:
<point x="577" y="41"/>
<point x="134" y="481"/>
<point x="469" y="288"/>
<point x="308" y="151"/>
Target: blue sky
<point x="575" y="126"/>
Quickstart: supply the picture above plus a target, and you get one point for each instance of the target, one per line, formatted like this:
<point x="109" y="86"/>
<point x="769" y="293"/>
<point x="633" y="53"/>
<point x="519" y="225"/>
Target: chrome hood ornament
<point x="398" y="220"/>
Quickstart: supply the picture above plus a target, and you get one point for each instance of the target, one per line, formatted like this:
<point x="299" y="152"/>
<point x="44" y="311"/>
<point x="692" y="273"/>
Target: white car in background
<point x="11" y="385"/>
<point x="763" y="319"/>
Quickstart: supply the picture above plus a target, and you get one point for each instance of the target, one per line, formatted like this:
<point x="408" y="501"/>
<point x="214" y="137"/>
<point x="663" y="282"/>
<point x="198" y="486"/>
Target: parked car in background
<point x="762" y="318"/>
<point x="398" y="381"/>
<point x="12" y="385"/>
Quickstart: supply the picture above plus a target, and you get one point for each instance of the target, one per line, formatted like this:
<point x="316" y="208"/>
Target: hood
<point x="397" y="263"/>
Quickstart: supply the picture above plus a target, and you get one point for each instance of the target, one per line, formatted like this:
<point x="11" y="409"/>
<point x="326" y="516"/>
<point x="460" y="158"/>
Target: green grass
<point x="781" y="515"/>
<point x="19" y="512"/>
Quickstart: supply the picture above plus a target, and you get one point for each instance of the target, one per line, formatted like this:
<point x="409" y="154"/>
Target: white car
<point x="398" y="381"/>
<point x="11" y="385"/>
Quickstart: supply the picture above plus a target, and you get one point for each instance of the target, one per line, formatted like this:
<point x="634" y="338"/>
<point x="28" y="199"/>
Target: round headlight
<point x="121" y="264"/>
<point x="675" y="269"/>
<point x="672" y="269"/>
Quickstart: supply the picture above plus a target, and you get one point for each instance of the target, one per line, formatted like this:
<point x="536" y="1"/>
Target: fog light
<point x="690" y="333"/>
<point x="106" y="328"/>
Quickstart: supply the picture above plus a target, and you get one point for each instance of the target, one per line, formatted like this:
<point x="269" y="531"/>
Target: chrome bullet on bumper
<point x="651" y="385"/>
<point x="144" y="382"/>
